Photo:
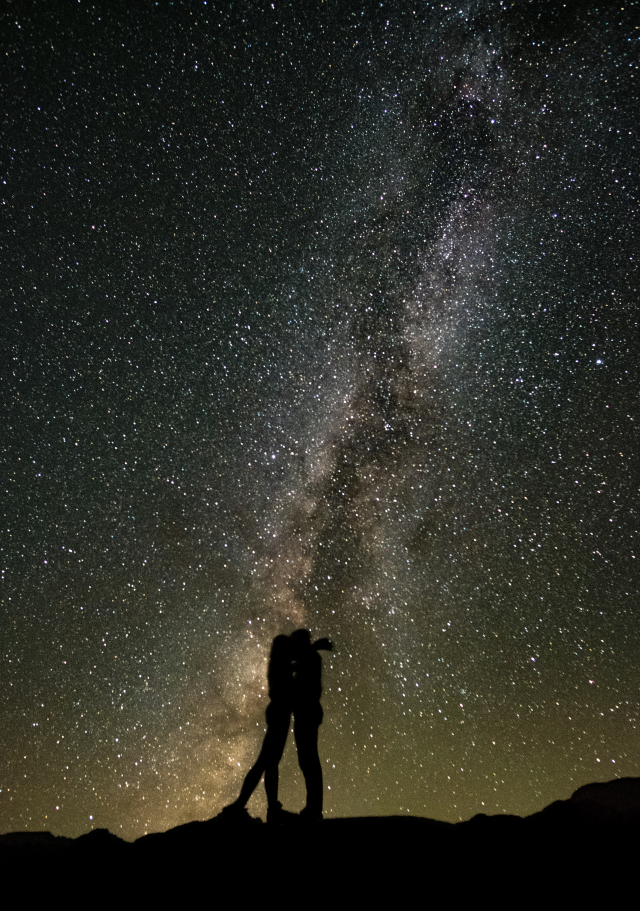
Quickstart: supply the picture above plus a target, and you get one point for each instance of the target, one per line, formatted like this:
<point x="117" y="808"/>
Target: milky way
<point x="320" y="317"/>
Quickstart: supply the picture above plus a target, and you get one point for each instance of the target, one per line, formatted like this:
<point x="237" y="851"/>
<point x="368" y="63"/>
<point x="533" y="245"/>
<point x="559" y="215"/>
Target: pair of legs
<point x="306" y="723"/>
<point x="278" y="721"/>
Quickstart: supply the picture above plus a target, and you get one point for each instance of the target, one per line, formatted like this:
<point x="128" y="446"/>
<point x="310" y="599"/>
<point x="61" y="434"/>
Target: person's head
<point x="300" y="640"/>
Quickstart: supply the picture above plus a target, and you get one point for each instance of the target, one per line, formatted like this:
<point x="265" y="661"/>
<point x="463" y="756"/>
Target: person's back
<point x="279" y="673"/>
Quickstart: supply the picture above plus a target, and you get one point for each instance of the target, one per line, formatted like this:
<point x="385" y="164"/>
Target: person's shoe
<point x="234" y="814"/>
<point x="310" y="816"/>
<point x="277" y="816"/>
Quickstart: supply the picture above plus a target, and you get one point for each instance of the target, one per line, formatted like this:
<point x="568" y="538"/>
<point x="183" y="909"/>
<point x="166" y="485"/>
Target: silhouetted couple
<point x="295" y="686"/>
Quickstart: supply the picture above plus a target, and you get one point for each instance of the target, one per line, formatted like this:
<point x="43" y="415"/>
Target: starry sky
<point x="317" y="314"/>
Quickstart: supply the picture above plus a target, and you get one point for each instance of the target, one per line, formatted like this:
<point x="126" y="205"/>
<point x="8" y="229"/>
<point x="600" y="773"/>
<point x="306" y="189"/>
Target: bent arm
<point x="325" y="645"/>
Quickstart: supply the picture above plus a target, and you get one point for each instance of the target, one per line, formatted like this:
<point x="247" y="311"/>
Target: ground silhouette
<point x="572" y="847"/>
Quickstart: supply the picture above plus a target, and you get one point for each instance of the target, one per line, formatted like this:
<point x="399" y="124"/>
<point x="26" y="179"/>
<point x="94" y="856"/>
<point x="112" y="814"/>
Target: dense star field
<point x="317" y="314"/>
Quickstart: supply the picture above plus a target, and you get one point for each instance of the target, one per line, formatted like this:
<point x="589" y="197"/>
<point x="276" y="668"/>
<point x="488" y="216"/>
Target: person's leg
<point x="306" y="734"/>
<point x="252" y="778"/>
<point x="270" y="754"/>
<point x="271" y="785"/>
<point x="279" y="726"/>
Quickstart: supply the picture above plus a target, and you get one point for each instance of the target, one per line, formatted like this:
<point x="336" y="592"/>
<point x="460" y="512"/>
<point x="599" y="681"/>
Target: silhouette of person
<point x="307" y="716"/>
<point x="278" y="717"/>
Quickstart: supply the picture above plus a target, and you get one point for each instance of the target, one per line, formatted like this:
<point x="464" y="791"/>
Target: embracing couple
<point x="295" y="686"/>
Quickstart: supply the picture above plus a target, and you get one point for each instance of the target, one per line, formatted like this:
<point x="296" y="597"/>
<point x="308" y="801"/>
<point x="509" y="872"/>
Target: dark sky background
<point x="317" y="314"/>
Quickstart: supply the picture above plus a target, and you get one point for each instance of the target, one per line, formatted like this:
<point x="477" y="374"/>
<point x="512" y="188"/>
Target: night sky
<point x="317" y="314"/>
